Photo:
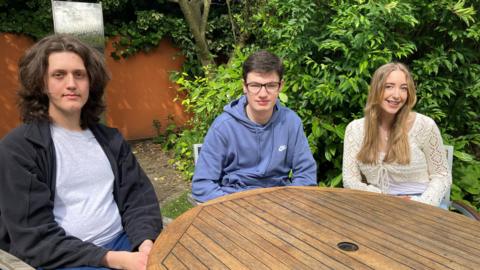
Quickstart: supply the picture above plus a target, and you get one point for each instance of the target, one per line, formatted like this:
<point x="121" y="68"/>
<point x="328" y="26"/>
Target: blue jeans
<point x="120" y="243"/>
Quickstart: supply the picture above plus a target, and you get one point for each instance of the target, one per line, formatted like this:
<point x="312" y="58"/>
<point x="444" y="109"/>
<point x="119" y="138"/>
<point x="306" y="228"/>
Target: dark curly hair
<point x="33" y="66"/>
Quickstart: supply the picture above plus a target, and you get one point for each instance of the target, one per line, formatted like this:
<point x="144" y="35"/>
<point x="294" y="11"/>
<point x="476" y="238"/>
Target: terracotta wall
<point x="139" y="93"/>
<point x="12" y="48"/>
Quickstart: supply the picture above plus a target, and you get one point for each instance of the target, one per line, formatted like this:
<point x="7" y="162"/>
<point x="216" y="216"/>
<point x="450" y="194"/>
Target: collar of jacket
<point x="38" y="132"/>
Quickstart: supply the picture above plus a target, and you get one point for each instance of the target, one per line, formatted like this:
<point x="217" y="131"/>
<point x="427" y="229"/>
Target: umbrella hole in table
<point x="347" y="246"/>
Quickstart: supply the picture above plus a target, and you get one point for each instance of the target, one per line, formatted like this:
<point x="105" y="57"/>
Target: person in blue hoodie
<point x="256" y="142"/>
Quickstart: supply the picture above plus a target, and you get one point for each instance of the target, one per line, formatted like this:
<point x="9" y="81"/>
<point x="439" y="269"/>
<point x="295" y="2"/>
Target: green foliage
<point x="206" y="97"/>
<point x="466" y="188"/>
<point x="331" y="48"/>
<point x="141" y="25"/>
<point x="143" y="34"/>
<point x="33" y="17"/>
<point x="168" y="135"/>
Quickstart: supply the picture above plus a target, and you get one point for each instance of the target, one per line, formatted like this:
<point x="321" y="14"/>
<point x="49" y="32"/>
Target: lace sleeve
<point x="440" y="177"/>
<point x="351" y="175"/>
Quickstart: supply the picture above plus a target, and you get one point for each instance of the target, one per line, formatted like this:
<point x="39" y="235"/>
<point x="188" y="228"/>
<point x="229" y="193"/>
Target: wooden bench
<point x="10" y="262"/>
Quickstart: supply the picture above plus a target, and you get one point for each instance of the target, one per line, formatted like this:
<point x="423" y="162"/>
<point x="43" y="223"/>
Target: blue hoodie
<point x="239" y="154"/>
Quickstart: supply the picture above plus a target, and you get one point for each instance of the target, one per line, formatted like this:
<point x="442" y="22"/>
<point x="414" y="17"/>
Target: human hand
<point x="146" y="246"/>
<point x="136" y="261"/>
<point x="126" y="260"/>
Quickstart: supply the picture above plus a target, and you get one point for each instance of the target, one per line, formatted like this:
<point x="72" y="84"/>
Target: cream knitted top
<point x="428" y="162"/>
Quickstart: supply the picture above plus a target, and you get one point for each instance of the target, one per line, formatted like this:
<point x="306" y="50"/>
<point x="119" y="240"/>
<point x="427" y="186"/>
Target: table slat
<point x="300" y="227"/>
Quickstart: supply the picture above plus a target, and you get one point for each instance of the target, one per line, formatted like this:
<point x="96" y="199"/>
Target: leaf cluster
<point x="33" y="17"/>
<point x="331" y="49"/>
<point x="139" y="24"/>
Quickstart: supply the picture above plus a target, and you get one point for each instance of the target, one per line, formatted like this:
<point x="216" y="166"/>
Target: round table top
<point x="317" y="228"/>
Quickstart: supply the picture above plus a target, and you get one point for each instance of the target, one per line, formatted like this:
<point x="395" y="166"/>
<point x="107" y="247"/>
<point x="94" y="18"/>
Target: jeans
<point x="120" y="243"/>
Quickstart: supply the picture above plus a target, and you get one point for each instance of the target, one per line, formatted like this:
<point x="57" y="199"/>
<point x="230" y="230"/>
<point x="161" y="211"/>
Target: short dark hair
<point x="264" y="62"/>
<point x="33" y="66"/>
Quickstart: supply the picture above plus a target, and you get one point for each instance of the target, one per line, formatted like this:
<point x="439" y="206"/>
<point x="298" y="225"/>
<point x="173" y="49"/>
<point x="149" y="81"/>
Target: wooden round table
<point x="317" y="228"/>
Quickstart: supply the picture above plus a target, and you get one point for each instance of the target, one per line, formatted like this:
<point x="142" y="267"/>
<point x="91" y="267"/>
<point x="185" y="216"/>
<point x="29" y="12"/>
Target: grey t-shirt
<point x="84" y="205"/>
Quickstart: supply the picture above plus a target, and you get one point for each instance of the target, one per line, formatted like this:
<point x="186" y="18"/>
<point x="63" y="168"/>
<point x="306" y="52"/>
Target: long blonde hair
<point x="398" y="149"/>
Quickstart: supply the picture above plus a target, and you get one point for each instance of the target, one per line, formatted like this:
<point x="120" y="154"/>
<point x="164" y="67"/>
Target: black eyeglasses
<point x="271" y="87"/>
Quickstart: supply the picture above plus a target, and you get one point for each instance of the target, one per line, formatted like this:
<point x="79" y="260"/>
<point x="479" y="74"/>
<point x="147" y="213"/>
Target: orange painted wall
<point x="12" y="48"/>
<point x="139" y="93"/>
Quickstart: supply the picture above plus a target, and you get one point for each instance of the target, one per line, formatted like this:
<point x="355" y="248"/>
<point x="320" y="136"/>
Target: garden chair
<point x="457" y="206"/>
<point x="196" y="151"/>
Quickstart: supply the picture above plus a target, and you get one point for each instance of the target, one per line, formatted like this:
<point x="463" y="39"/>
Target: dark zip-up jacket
<point x="27" y="190"/>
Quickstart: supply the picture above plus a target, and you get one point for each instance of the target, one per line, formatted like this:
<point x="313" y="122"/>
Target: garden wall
<point x="139" y="93"/>
<point x="11" y="49"/>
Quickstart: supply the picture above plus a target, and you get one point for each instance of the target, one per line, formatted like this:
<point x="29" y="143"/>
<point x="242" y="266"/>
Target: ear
<point x="281" y="85"/>
<point x="244" y="85"/>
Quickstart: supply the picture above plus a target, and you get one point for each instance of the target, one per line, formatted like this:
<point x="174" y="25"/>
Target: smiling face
<point x="260" y="105"/>
<point x="67" y="86"/>
<point x="395" y="92"/>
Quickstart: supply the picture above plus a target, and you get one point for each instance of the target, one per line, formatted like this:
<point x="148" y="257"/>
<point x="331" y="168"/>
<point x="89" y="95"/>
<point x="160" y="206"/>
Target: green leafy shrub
<point x="33" y="17"/>
<point x="205" y="98"/>
<point x="466" y="188"/>
<point x="331" y="48"/>
<point x="140" y="26"/>
<point x="165" y="137"/>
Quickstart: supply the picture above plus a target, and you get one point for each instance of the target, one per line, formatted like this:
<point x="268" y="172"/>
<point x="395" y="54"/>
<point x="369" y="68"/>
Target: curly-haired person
<point x="72" y="194"/>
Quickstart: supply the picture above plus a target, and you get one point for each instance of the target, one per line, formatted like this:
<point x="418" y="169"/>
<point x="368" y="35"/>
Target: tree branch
<point x="231" y="21"/>
<point x="197" y="23"/>
<point x="206" y="11"/>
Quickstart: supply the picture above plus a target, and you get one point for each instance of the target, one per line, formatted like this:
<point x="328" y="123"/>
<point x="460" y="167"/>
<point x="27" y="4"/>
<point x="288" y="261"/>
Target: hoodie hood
<point x="236" y="109"/>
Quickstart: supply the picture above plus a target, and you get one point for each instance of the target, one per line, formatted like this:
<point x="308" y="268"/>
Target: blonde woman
<point x="393" y="150"/>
